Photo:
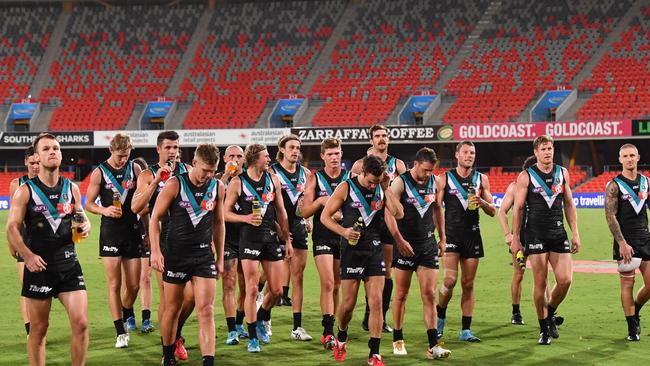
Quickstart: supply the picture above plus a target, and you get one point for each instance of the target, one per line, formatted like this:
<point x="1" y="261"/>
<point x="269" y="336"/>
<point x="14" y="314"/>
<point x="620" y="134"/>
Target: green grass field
<point x="593" y="332"/>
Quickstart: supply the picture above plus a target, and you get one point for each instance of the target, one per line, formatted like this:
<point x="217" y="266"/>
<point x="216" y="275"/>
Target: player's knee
<point x="298" y="277"/>
<point x="275" y="291"/>
<point x="206" y="310"/>
<point x="401" y="295"/>
<point x="38" y="329"/>
<point x="467" y="284"/>
<point x="328" y="285"/>
<point x="449" y="281"/>
<point x="428" y="295"/>
<point x="518" y="276"/>
<point x="564" y="282"/>
<point x="80" y="326"/>
<point x="374" y="303"/>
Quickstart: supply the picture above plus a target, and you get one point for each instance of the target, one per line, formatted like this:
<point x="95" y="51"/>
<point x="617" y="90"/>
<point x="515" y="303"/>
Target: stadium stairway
<point x="51" y="52"/>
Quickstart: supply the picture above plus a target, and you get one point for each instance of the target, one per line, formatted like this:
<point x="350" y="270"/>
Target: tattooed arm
<point x="611" y="207"/>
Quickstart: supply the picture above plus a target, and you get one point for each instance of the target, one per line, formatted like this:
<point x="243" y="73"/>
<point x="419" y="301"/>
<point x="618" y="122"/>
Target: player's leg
<point x="187" y="307"/>
<point x="627" y="301"/>
<point x="336" y="294"/>
<point x="324" y="266"/>
<point x="228" y="284"/>
<point x="76" y="306"/>
<point x="204" y="292"/>
<point x="387" y="291"/>
<point x="563" y="271"/>
<point x="468" y="268"/>
<point x="113" y="273"/>
<point x="145" y="295"/>
<point x="402" y="286"/>
<point x="515" y="290"/>
<point x="168" y="325"/>
<point x="539" y="263"/>
<point x="20" y="268"/>
<point x="450" y="264"/>
<point x="285" y="299"/>
<point x="39" y="313"/>
<point x="428" y="279"/>
<point x="275" y="275"/>
<point x="131" y="267"/>
<point x="374" y="286"/>
<point x="349" y="292"/>
<point x="161" y="296"/>
<point x="643" y="295"/>
<point x="241" y="297"/>
<point x="251" y="278"/>
<point x="297" y="267"/>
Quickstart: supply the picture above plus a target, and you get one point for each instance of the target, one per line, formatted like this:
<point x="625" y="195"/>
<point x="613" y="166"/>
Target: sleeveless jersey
<point x="417" y="226"/>
<point x="293" y="188"/>
<point x="632" y="207"/>
<point x="545" y="218"/>
<point x="189" y="232"/>
<point x="23" y="229"/>
<point x="48" y="219"/>
<point x="368" y="204"/>
<point x="232" y="228"/>
<point x="179" y="169"/>
<point x="325" y="186"/>
<point x="262" y="191"/>
<point x="458" y="219"/>
<point x="391" y="167"/>
<point x="121" y="181"/>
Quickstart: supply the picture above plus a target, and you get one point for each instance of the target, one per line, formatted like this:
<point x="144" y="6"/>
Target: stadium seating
<point x="24" y="36"/>
<point x="389" y="50"/>
<point x="598" y="183"/>
<point x="621" y="79"/>
<point x="530" y="47"/>
<point x="112" y="58"/>
<point x="254" y="52"/>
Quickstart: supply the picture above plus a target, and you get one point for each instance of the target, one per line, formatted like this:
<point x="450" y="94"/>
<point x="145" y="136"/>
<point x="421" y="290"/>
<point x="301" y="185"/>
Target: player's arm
<point x="163" y="202"/>
<point x="401" y="167"/>
<point x="403" y="246"/>
<point x="393" y="206"/>
<point x="310" y="203"/>
<point x="94" y="188"/>
<point x="331" y="207"/>
<point x="520" y="193"/>
<point x="439" y="217"/>
<point x="146" y="187"/>
<point x="13" y="186"/>
<point x="571" y="212"/>
<point x="16" y="218"/>
<point x="357" y="168"/>
<point x="219" y="228"/>
<point x="611" y="208"/>
<point x="506" y="205"/>
<point x="282" y="218"/>
<point x="486" y="201"/>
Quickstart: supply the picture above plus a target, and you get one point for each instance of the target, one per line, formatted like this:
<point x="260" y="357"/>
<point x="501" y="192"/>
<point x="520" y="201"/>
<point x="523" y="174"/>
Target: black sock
<point x="385" y="299"/>
<point x="127" y="313"/>
<point x="432" y="335"/>
<point x="467" y="322"/>
<point x="119" y="326"/>
<point x="543" y="325"/>
<point x="442" y="312"/>
<point x="168" y="353"/>
<point x="230" y="322"/>
<point x="179" y="329"/>
<point x="297" y="320"/>
<point x="343" y="335"/>
<point x="252" y="330"/>
<point x="27" y="328"/>
<point x="373" y="344"/>
<point x="631" y="323"/>
<point x="398" y="335"/>
<point x="263" y="314"/>
<point x="239" y="319"/>
<point x="285" y="292"/>
<point x="208" y="360"/>
<point x="366" y="315"/>
<point x="515" y="309"/>
<point x="146" y="314"/>
<point x="551" y="311"/>
<point x="637" y="308"/>
<point x="260" y="286"/>
<point x="328" y="324"/>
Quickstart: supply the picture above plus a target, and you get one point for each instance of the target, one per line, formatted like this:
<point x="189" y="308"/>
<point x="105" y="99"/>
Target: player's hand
<point x="309" y="226"/>
<point x="625" y="251"/>
<point x="219" y="267"/>
<point x="157" y="261"/>
<point x="145" y="242"/>
<point x="254" y="220"/>
<point x="515" y="245"/>
<point x="508" y="238"/>
<point x="13" y="252"/>
<point x="288" y="250"/>
<point x="112" y="211"/>
<point x="85" y="229"/>
<point x="338" y="216"/>
<point x="165" y="169"/>
<point x="575" y="241"/>
<point x="35" y="263"/>
<point x="385" y="181"/>
<point x="404" y="247"/>
<point x="351" y="234"/>
<point x="442" y="247"/>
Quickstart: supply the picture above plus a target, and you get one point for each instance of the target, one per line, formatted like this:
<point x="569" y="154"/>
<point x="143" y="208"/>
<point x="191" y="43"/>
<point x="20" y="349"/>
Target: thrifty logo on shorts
<point x="106" y="248"/>
<point x="322" y="248"/>
<point x="356" y="270"/>
<point x="405" y="262"/>
<point x="171" y="274"/>
<point x="536" y="246"/>
<point x="252" y="252"/>
<point x="40" y="289"/>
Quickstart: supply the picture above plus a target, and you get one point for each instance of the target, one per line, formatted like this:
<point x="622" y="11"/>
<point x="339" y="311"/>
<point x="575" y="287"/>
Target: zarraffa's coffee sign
<point x="360" y="135"/>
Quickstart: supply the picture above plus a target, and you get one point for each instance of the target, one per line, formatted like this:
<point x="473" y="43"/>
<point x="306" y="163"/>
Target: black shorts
<point x="471" y="246"/>
<point x="423" y="257"/>
<point x="299" y="243"/>
<point x="19" y="258"/>
<point x="230" y="250"/>
<point x="386" y="237"/>
<point x="52" y="282"/>
<point x="145" y="251"/>
<point x="179" y="270"/>
<point x="328" y="248"/>
<point x="539" y="246"/>
<point x="129" y="249"/>
<point x="261" y="251"/>
<point x="358" y="264"/>
<point x="641" y="249"/>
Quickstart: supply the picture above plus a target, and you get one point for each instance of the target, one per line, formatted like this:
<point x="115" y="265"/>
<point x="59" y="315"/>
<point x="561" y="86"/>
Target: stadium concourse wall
<point x="357" y="137"/>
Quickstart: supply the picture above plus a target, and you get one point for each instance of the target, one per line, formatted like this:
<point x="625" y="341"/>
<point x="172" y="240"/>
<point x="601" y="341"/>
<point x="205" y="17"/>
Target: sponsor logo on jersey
<point x="69" y="254"/>
<point x="376" y="243"/>
<point x="40" y="208"/>
<point x="538" y="189"/>
<point x="184" y="204"/>
<point x="54" y="196"/>
<point x="451" y="246"/>
<point x="203" y="245"/>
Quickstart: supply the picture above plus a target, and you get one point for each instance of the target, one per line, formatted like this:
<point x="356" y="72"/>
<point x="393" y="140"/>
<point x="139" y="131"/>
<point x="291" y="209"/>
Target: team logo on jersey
<point x="268" y="197"/>
<point x="558" y="188"/>
<point x="64" y="208"/>
<point x="376" y="205"/>
<point x="207" y="205"/>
